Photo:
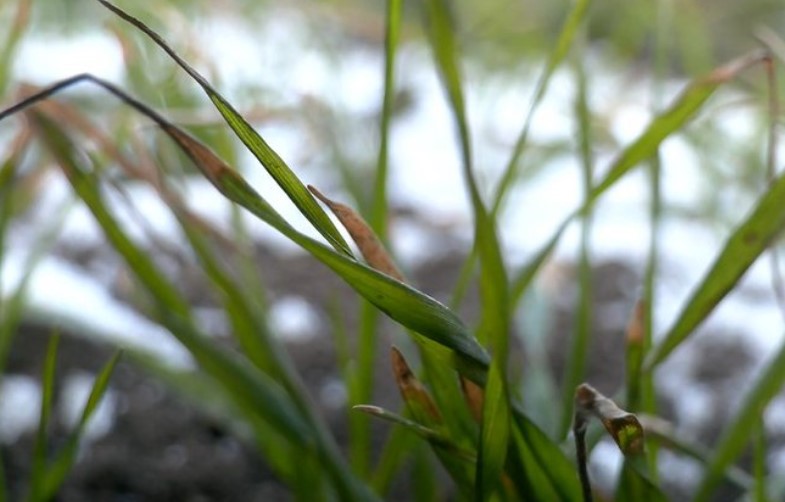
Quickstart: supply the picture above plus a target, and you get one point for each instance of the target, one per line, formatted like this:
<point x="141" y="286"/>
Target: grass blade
<point x="38" y="468"/>
<point x="59" y="468"/>
<point x="737" y="435"/>
<point x="744" y="246"/>
<point x="271" y="161"/>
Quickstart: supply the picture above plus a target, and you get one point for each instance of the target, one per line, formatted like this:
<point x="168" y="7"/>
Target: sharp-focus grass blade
<point x="737" y="435"/>
<point x="271" y="161"/>
<point x="59" y="468"/>
<point x="408" y="306"/>
<point x="19" y="23"/>
<point x="745" y="245"/>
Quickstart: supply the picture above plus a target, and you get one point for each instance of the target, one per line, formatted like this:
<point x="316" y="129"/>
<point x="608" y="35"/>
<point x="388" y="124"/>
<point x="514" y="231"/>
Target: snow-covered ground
<point x="425" y="174"/>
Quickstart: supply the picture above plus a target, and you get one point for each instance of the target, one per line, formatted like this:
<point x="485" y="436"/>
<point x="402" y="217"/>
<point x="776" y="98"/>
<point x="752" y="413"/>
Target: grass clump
<point x="462" y="401"/>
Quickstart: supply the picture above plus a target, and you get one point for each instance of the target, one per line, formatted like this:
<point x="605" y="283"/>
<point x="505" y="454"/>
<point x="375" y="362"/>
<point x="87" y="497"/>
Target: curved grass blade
<point x="745" y="245"/>
<point x="174" y="311"/>
<point x="626" y="431"/>
<point x="271" y="161"/>
<point x="402" y="303"/>
<point x="673" y="119"/>
<point x="737" y="435"/>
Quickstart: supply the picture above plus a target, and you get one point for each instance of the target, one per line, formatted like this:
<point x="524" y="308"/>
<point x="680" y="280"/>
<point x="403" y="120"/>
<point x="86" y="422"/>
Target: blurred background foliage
<point x="502" y="40"/>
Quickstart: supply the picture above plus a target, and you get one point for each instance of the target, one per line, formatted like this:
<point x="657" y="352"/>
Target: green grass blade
<point x="569" y="31"/>
<point x="59" y="468"/>
<point x="378" y="217"/>
<point x="672" y="120"/>
<point x="494" y="436"/>
<point x="246" y="386"/>
<point x="737" y="435"/>
<point x="38" y="468"/>
<point x="271" y="161"/>
<point x="745" y="245"/>
<point x="406" y="305"/>
<point x="581" y="339"/>
<point x="547" y="455"/>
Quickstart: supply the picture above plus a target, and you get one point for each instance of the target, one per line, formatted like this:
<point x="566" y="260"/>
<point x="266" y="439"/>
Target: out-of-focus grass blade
<point x="18" y="25"/>
<point x="253" y="392"/>
<point x="378" y="217"/>
<point x="271" y="161"/>
<point x="745" y="245"/>
<point x="38" y="468"/>
<point x="569" y="31"/>
<point x="673" y="119"/>
<point x="581" y="337"/>
<point x="57" y="471"/>
<point x="664" y="125"/>
<point x="634" y="354"/>
<point x="666" y="436"/>
<point x="737" y="435"/>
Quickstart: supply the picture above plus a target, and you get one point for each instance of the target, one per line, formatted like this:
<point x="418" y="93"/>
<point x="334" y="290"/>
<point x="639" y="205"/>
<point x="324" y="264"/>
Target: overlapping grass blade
<point x="494" y="329"/>
<point x="404" y="304"/>
<point x="737" y="435"/>
<point x="664" y="125"/>
<point x="743" y="247"/>
<point x="271" y="161"/>
<point x="253" y="392"/>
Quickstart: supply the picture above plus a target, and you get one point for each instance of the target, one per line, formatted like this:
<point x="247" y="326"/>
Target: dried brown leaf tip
<point x="413" y="392"/>
<point x="367" y="242"/>
<point x="475" y="396"/>
<point x="205" y="159"/>
<point x="623" y="426"/>
<point x="636" y="325"/>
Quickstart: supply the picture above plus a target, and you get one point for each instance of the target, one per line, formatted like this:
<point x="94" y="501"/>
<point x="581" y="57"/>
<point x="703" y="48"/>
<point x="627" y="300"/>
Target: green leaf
<point x="672" y="120"/>
<point x="737" y="435"/>
<point x="271" y="161"/>
<point x="38" y="469"/>
<point x="59" y="468"/>
<point x="745" y="245"/>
